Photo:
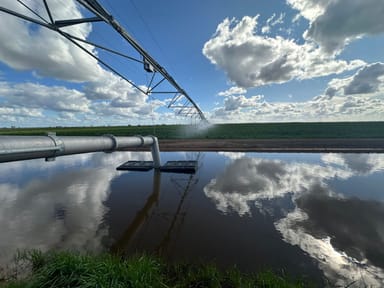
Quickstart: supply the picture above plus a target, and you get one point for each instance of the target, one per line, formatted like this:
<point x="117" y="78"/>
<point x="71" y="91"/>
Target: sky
<point x="240" y="61"/>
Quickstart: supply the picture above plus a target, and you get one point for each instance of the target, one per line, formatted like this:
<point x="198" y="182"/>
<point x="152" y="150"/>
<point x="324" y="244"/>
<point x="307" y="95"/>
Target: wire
<point x="33" y="11"/>
<point x="105" y="48"/>
<point x="150" y="32"/>
<point x="121" y="19"/>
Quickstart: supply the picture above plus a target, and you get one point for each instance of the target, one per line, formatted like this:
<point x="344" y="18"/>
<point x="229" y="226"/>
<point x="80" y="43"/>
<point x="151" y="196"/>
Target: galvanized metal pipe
<point x="15" y="148"/>
<point x="155" y="153"/>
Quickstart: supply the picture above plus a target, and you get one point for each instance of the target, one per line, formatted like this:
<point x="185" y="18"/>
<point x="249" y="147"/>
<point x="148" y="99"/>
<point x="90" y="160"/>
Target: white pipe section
<point x="155" y="153"/>
<point x="15" y="148"/>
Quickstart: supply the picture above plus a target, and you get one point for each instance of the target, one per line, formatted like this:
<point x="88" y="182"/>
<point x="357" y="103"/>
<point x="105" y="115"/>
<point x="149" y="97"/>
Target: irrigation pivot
<point x="181" y="102"/>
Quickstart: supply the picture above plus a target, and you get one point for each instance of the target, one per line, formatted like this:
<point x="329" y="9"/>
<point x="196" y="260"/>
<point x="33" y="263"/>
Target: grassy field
<point x="223" y="131"/>
<point x="64" y="269"/>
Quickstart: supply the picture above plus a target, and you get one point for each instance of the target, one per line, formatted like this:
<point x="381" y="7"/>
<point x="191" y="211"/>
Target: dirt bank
<point x="275" y="145"/>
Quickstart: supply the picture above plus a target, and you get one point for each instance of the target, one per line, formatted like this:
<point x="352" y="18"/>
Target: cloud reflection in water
<point x="359" y="164"/>
<point x="62" y="211"/>
<point x="345" y="235"/>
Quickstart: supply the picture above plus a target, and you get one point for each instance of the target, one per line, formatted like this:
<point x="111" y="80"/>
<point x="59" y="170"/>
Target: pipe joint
<point x="155" y="152"/>
<point x="59" y="145"/>
<point x="141" y="140"/>
<point x="115" y="144"/>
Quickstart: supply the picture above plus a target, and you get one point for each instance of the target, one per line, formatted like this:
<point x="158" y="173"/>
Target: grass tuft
<point x="67" y="269"/>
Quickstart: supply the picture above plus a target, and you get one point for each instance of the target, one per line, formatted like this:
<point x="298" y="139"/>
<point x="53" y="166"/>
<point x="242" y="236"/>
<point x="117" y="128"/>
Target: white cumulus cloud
<point x="251" y="60"/>
<point x="335" y="23"/>
<point x="24" y="46"/>
<point x="321" y="108"/>
<point x="232" y="91"/>
<point x="357" y="97"/>
<point x="309" y="9"/>
<point x="368" y="80"/>
<point x="31" y="95"/>
<point x="272" y="21"/>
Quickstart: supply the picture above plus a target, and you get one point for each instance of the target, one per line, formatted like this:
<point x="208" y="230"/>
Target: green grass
<point x="224" y="131"/>
<point x="166" y="131"/>
<point x="65" y="269"/>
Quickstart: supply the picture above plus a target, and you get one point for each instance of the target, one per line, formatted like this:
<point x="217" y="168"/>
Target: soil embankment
<point x="275" y="145"/>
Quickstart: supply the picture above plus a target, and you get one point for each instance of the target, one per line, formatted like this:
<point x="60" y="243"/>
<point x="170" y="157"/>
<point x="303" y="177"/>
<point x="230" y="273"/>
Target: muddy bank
<point x="275" y="145"/>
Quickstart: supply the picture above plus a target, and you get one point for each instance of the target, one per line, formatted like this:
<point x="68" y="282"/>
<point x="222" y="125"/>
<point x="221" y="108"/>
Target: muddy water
<point x="314" y="215"/>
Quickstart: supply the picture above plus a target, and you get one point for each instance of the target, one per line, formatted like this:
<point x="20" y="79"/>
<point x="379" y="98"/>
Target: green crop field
<point x="222" y="131"/>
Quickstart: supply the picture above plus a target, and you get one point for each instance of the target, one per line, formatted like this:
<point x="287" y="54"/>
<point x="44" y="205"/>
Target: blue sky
<point x="241" y="61"/>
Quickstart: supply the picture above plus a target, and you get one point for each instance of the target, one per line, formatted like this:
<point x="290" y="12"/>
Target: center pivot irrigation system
<point x="181" y="102"/>
<point x="14" y="148"/>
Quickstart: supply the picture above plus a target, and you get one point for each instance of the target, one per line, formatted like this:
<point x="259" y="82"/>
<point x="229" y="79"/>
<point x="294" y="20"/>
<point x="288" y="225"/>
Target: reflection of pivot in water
<point x="185" y="185"/>
<point x="181" y="183"/>
<point x="166" y="240"/>
<point x="140" y="217"/>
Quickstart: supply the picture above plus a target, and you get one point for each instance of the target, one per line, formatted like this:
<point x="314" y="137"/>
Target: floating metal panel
<point x="136" y="166"/>
<point x="185" y="167"/>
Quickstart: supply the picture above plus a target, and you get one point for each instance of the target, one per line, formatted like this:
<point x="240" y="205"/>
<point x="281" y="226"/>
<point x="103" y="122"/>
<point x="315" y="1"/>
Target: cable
<point x="105" y="48"/>
<point x="33" y="11"/>
<point x="121" y="19"/>
<point x="150" y="32"/>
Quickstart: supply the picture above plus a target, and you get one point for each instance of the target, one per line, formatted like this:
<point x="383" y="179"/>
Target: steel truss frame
<point x="181" y="102"/>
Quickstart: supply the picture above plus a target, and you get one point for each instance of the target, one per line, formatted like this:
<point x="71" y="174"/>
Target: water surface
<point x="317" y="215"/>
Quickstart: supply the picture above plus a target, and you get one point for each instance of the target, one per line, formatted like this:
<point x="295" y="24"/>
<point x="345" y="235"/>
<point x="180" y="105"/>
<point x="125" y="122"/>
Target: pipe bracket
<point x="141" y="139"/>
<point x="59" y="145"/>
<point x="114" y="141"/>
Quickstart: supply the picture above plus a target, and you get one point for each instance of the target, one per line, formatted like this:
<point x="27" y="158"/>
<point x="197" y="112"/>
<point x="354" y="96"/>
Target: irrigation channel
<point x="319" y="216"/>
